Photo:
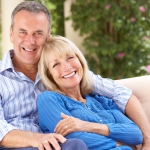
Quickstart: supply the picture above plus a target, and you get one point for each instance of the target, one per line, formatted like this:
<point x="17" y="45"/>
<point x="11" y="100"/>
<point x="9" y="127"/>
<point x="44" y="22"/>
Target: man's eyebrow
<point x="21" y="29"/>
<point x="39" y="31"/>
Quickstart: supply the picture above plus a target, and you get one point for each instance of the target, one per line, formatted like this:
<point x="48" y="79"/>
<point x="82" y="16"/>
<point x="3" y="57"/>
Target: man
<point x="20" y="85"/>
<point x="18" y="120"/>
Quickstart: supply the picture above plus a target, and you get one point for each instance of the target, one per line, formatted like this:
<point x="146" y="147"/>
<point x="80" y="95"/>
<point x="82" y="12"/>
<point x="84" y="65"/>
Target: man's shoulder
<point x="6" y="61"/>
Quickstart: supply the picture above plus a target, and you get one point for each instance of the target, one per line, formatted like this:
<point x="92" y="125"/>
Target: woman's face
<point x="66" y="71"/>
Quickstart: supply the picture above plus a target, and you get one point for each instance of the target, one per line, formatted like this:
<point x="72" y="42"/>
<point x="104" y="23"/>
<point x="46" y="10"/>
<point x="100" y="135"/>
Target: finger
<point x="54" y="143"/>
<point x="46" y="145"/>
<point x="61" y="125"/>
<point x="66" y="129"/>
<point x="60" y="138"/>
<point x="40" y="147"/>
<point x="60" y="122"/>
<point x="67" y="132"/>
<point x="62" y="129"/>
<point x="64" y="115"/>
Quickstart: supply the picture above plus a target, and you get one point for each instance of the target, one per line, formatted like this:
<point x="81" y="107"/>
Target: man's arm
<point x="12" y="137"/>
<point x="127" y="102"/>
<point x="109" y="88"/>
<point x="19" y="138"/>
<point x="135" y="112"/>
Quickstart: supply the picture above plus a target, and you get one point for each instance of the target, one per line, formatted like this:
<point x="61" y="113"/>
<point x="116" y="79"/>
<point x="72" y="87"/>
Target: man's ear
<point x="11" y="35"/>
<point x="50" y="33"/>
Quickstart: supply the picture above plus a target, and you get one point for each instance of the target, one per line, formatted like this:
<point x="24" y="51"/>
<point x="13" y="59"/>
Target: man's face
<point x="28" y="36"/>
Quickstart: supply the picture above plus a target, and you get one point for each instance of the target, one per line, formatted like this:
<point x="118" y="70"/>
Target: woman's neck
<point x="75" y="94"/>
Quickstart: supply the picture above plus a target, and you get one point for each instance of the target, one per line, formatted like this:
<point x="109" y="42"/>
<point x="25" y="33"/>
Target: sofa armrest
<point x="140" y="87"/>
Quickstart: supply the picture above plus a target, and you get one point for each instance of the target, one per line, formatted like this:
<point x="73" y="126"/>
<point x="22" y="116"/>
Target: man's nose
<point x="30" y="39"/>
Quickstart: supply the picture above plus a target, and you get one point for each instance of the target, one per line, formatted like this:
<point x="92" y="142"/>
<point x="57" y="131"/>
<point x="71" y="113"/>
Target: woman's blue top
<point x="98" y="109"/>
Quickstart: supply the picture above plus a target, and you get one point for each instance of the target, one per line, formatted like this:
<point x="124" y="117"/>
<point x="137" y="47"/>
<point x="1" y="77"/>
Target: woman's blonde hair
<point x="58" y="46"/>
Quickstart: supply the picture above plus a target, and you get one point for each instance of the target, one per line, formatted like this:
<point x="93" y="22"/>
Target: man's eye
<point x="22" y="32"/>
<point x="39" y="33"/>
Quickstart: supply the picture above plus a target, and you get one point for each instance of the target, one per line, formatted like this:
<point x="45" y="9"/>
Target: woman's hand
<point x="69" y="124"/>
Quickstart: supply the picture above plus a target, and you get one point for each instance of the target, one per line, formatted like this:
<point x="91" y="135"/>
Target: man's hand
<point x="20" y="138"/>
<point x="45" y="141"/>
<point x="121" y="144"/>
<point x="146" y="145"/>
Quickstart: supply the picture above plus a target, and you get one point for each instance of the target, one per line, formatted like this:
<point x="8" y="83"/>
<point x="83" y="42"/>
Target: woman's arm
<point x="135" y="112"/>
<point x="127" y="132"/>
<point x="109" y="88"/>
<point x="50" y="108"/>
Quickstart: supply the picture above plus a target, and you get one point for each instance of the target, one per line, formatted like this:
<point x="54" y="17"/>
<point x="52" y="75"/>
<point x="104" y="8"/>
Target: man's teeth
<point x="28" y="50"/>
<point x="70" y="75"/>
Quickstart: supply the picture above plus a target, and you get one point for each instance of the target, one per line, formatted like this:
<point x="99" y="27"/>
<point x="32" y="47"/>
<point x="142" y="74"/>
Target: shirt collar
<point x="6" y="62"/>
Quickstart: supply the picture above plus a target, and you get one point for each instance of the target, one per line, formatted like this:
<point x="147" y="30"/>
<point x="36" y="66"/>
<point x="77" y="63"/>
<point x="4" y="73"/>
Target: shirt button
<point x="88" y="108"/>
<point x="100" y="120"/>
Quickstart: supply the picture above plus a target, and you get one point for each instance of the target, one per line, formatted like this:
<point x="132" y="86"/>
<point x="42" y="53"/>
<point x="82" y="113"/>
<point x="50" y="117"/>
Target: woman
<point x="69" y="108"/>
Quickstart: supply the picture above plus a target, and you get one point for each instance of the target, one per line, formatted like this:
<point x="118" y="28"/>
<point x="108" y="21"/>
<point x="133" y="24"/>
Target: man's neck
<point x="28" y="70"/>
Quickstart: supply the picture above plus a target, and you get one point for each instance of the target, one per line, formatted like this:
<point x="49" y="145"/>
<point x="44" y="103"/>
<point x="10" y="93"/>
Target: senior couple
<point x="67" y="107"/>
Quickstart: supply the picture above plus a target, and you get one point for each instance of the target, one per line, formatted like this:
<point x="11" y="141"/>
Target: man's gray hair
<point x="33" y="7"/>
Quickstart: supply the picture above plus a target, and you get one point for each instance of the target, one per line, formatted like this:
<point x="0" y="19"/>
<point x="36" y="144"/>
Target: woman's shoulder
<point x="49" y="94"/>
<point x="102" y="99"/>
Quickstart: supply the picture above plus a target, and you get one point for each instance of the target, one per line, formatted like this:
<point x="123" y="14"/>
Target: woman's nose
<point x="67" y="67"/>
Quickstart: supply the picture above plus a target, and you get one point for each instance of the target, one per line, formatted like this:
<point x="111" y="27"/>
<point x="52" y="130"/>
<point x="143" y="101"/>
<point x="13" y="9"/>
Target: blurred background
<point x="114" y="35"/>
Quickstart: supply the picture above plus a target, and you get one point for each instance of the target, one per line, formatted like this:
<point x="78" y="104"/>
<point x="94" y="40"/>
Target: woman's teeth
<point x="70" y="75"/>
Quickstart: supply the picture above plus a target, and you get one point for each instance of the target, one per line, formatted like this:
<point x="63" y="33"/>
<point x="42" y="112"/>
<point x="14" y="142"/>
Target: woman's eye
<point x="55" y="65"/>
<point x="71" y="57"/>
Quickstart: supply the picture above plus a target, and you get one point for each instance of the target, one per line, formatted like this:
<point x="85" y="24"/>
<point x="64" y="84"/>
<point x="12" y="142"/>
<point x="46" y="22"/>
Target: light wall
<point x="7" y="7"/>
<point x="70" y="33"/>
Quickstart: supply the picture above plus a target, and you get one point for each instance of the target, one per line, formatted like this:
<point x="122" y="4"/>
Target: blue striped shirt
<point x="18" y="96"/>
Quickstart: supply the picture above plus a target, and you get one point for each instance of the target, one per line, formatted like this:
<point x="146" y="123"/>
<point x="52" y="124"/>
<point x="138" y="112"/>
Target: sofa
<point x="140" y="87"/>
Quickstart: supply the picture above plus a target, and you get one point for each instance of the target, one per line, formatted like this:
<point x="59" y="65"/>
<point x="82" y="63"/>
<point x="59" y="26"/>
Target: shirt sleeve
<point x="127" y="133"/>
<point x="5" y="127"/>
<point x="123" y="130"/>
<point x="109" y="88"/>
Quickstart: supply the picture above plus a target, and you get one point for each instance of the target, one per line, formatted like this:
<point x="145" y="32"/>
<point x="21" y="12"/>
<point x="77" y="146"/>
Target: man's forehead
<point x="24" y="20"/>
<point x="26" y="16"/>
<point x="24" y="29"/>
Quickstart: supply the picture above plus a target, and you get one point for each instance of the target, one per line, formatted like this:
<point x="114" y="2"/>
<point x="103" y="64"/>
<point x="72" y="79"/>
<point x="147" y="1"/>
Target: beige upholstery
<point x="141" y="89"/>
